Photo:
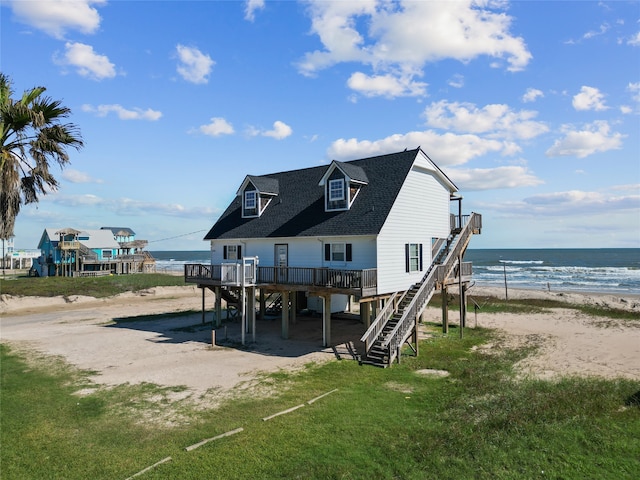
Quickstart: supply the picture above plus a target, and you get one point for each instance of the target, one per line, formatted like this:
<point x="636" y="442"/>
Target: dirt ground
<point x="104" y="337"/>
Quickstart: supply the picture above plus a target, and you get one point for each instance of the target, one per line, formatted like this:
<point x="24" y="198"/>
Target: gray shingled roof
<point x="265" y="184"/>
<point x="353" y="171"/>
<point x="298" y="210"/>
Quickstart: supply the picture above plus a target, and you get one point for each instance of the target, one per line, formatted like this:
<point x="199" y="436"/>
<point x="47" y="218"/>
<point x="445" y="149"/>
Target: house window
<point x="338" y="252"/>
<point x="107" y="253"/>
<point x="336" y="190"/>
<point x="250" y="200"/>
<point x="232" y="252"/>
<point x="413" y="257"/>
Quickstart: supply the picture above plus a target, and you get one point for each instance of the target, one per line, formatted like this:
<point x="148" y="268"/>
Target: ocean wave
<point x="523" y="262"/>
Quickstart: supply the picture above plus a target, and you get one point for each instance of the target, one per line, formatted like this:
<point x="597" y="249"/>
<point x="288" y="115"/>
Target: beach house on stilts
<point x="385" y="231"/>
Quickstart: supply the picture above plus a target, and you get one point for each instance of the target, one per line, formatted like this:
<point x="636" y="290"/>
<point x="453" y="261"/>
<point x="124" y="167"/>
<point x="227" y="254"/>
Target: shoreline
<point x="629" y="302"/>
<point x="614" y="292"/>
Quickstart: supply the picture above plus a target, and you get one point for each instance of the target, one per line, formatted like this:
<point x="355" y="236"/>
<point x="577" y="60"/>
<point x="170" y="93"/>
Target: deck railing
<point x="302" y="276"/>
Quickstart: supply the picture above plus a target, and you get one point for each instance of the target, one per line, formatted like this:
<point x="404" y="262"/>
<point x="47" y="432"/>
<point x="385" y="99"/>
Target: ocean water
<point x="171" y="261"/>
<point x="606" y="270"/>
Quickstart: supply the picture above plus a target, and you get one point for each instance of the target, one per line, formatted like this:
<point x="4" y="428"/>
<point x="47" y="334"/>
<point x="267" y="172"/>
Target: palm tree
<point x="32" y="137"/>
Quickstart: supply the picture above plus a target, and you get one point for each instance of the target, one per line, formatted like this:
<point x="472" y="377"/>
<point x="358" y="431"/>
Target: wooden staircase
<point x="397" y="321"/>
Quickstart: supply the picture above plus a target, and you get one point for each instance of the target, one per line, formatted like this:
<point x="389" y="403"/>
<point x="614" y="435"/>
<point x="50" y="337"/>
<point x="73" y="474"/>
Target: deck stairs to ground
<point x="274" y="304"/>
<point x="232" y="301"/>
<point x="397" y="321"/>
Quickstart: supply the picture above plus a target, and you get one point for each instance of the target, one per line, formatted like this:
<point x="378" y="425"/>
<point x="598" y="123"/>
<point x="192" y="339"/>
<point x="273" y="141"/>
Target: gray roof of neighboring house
<point x="97" y="238"/>
<point x="124" y="231"/>
<point x="299" y="209"/>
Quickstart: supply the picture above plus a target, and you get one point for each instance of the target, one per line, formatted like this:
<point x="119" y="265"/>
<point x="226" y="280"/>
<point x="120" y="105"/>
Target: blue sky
<point x="531" y="108"/>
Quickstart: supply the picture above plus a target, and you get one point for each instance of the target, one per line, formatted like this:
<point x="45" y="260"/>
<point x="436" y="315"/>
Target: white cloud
<point x="386" y="85"/>
<point x="493" y="178"/>
<point x="218" y="126"/>
<point x="495" y="120"/>
<point x="594" y="138"/>
<point x="87" y="62"/>
<point x="577" y="202"/>
<point x="594" y="33"/>
<point x="631" y="187"/>
<point x="589" y="98"/>
<point x="634" y="88"/>
<point x="123" y="113"/>
<point x="583" y="213"/>
<point x="446" y="149"/>
<point x="194" y="66"/>
<point x="399" y="38"/>
<point x="457" y="81"/>
<point x="55" y="17"/>
<point x="128" y="206"/>
<point x="634" y="40"/>
<point x="280" y="131"/>
<point x="531" y="95"/>
<point x="75" y="176"/>
<point x="251" y="7"/>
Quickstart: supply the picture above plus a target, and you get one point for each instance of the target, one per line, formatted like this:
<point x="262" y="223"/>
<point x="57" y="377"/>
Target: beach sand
<point x="102" y="336"/>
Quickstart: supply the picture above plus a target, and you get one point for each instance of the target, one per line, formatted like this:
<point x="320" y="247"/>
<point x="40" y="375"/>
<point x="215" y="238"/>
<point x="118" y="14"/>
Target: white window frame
<point x="250" y="200"/>
<point x="338" y="249"/>
<point x="232" y="252"/>
<point x="333" y="192"/>
<point x="414" y="257"/>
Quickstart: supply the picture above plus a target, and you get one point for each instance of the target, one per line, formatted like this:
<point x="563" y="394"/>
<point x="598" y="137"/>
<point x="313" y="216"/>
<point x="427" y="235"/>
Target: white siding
<point x="303" y="252"/>
<point x="420" y="213"/>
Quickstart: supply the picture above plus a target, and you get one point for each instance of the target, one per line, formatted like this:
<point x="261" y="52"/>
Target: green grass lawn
<point x="98" y="287"/>
<point x="480" y="422"/>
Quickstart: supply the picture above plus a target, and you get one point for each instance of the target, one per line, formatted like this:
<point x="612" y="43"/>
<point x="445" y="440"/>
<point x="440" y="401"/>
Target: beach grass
<point x="493" y="304"/>
<point x="479" y="422"/>
<point x="98" y="287"/>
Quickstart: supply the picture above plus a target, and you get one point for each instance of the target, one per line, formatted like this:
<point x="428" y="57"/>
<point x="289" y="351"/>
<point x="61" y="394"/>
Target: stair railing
<point x="398" y="336"/>
<point x="381" y="320"/>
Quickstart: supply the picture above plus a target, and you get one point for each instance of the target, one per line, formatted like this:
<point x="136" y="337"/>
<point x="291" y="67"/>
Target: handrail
<point x="397" y="336"/>
<point x="308" y="276"/>
<point x="378" y="324"/>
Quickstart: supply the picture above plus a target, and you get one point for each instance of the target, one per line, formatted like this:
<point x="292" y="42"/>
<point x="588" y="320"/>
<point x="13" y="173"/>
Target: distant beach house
<point x="379" y="231"/>
<point x="16" y="259"/>
<point x="109" y="250"/>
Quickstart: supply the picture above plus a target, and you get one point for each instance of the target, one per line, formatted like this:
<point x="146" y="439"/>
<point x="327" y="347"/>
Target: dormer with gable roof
<point x="256" y="193"/>
<point x="342" y="183"/>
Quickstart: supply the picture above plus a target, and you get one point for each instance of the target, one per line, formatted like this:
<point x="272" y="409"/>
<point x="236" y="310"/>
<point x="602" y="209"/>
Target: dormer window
<point x="342" y="183"/>
<point x="256" y="193"/>
<point x="250" y="200"/>
<point x="336" y="190"/>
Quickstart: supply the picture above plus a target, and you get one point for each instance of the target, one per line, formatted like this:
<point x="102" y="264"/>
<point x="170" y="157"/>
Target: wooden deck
<point x="350" y="282"/>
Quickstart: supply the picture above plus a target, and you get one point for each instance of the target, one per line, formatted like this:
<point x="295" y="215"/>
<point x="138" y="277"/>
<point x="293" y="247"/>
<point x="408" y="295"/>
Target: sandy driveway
<point x="100" y="335"/>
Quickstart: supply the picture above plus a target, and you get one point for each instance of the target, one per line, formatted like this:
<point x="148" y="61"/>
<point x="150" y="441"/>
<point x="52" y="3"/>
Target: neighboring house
<point x="364" y="229"/>
<point x="16" y="259"/>
<point x="70" y="252"/>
